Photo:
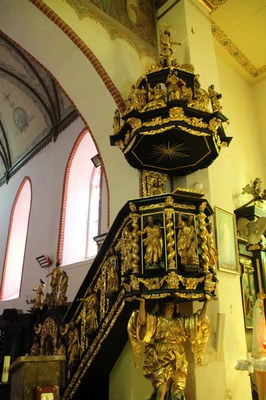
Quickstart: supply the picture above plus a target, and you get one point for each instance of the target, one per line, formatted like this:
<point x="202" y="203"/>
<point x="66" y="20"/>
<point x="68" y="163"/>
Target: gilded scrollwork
<point x="162" y="205"/>
<point x="152" y="283"/>
<point x="193" y="131"/>
<point x="209" y="283"/>
<point x="172" y="279"/>
<point x="152" y="183"/>
<point x="191" y="283"/>
<point x="134" y="282"/>
<point x="48" y="329"/>
<point x="157" y="131"/>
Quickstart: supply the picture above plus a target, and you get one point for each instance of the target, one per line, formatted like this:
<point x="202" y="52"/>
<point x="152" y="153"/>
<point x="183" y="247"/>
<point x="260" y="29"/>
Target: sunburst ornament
<point x="169" y="151"/>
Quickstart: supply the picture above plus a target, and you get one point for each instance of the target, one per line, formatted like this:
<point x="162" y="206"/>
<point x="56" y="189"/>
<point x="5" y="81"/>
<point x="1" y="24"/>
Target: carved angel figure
<point x="252" y="231"/>
<point x="160" y="338"/>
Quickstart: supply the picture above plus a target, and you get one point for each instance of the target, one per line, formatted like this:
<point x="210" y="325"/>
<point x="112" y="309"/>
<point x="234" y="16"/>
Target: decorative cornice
<point x="235" y="52"/>
<point x="212" y="5"/>
<point x="114" y="28"/>
<point x="226" y="42"/>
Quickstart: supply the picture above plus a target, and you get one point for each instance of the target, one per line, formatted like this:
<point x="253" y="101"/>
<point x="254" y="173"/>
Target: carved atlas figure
<point x="160" y="338"/>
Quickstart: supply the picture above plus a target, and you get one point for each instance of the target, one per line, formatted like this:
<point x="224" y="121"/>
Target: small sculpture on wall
<point x="160" y="338"/>
<point x="153" y="244"/>
<point x="214" y="98"/>
<point x="59" y="285"/>
<point x="55" y="278"/>
<point x="254" y="188"/>
<point x="38" y="302"/>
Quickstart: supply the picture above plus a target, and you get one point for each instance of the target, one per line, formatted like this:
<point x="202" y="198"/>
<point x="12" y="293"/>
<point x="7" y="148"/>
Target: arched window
<point x="17" y="236"/>
<point x="80" y="211"/>
<point x="93" y="220"/>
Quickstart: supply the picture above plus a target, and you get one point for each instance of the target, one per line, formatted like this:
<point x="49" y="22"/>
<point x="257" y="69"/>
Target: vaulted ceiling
<point x="33" y="108"/>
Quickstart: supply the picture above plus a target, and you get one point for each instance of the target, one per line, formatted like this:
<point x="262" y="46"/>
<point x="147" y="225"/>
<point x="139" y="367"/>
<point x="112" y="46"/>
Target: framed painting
<point x="226" y="237"/>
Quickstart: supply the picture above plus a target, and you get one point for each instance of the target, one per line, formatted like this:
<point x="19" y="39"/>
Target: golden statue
<point x="160" y="338"/>
<point x="111" y="265"/>
<point x="63" y="288"/>
<point x="124" y="246"/>
<point x="39" y="294"/>
<point x="214" y="98"/>
<point x="88" y="314"/>
<point x="73" y="348"/>
<point x="156" y="97"/>
<point x="56" y="276"/>
<point x="212" y="252"/>
<point x="135" y="98"/>
<point x="173" y="88"/>
<point x="167" y="48"/>
<point x="187" y="241"/>
<point x="116" y="122"/>
<point x="153" y="244"/>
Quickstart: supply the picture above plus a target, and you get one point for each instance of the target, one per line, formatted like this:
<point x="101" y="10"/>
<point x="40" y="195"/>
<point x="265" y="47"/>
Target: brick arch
<point x="85" y="50"/>
<point x="11" y="221"/>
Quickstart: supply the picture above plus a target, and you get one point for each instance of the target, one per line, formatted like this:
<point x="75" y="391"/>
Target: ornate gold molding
<point x="212" y="5"/>
<point x="235" y="52"/>
<point x="226" y="42"/>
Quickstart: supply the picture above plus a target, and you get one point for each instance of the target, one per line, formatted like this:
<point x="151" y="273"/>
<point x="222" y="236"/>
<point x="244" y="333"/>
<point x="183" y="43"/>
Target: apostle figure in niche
<point x="187" y="241"/>
<point x="153" y="244"/>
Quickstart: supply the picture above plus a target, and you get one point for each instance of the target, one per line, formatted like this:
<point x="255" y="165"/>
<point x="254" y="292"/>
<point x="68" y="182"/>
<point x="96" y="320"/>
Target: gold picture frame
<point x="226" y="238"/>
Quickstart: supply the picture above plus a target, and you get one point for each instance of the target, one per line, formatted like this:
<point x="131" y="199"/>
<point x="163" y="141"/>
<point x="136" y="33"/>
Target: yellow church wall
<point x="259" y="95"/>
